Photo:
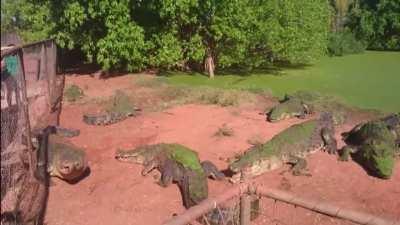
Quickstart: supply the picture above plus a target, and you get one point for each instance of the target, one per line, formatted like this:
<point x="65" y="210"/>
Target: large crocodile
<point x="57" y="156"/>
<point x="180" y="164"/>
<point x="374" y="145"/>
<point x="24" y="202"/>
<point x="288" y="108"/>
<point x="175" y="163"/>
<point x="290" y="146"/>
<point x="301" y="103"/>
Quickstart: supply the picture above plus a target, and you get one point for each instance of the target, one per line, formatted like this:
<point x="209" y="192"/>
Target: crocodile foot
<point x="212" y="171"/>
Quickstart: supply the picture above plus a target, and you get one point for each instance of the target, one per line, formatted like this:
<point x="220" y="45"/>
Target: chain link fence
<point x="30" y="98"/>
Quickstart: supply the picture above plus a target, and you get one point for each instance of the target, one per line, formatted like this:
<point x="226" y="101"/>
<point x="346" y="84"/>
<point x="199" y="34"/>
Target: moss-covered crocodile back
<point x="197" y="188"/>
<point x="377" y="147"/>
<point x="371" y="130"/>
<point x="288" y="108"/>
<point x="296" y="138"/>
<point x="188" y="158"/>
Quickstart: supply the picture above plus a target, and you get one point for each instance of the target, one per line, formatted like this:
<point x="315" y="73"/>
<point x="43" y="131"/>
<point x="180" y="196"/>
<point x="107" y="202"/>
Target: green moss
<point x="295" y="138"/>
<point x="374" y="130"/>
<point x="198" y="187"/>
<point x="378" y="158"/>
<point x="73" y="93"/>
<point x="185" y="156"/>
<point x="376" y="148"/>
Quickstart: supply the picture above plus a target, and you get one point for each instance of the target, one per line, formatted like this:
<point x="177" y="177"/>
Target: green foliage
<point x="30" y="20"/>
<point x="295" y="31"/>
<point x="104" y="30"/>
<point x="377" y="22"/>
<point x="344" y="43"/>
<point x="131" y="35"/>
<point x="166" y="51"/>
<point x="73" y="93"/>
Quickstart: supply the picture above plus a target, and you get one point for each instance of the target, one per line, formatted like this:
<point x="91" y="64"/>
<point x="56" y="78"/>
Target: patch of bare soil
<point x="116" y="193"/>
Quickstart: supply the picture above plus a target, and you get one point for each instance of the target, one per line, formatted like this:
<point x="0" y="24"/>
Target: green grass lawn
<point x="370" y="80"/>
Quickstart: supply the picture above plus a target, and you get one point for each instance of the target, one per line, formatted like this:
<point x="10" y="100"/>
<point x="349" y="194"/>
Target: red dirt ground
<point x="116" y="193"/>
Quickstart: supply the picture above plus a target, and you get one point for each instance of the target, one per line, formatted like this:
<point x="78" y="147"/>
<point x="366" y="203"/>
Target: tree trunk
<point x="209" y="65"/>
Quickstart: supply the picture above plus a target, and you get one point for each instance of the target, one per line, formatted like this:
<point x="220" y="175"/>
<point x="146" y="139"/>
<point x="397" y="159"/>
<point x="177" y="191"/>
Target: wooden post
<point x="245" y="201"/>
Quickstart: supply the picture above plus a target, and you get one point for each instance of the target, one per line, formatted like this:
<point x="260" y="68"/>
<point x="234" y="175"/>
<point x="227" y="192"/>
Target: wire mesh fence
<point x="27" y="74"/>
<point x="265" y="206"/>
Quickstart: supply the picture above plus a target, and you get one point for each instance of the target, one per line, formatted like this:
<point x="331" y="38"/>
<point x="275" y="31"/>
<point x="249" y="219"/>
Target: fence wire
<point x="30" y="98"/>
<point x="272" y="207"/>
<point x="280" y="213"/>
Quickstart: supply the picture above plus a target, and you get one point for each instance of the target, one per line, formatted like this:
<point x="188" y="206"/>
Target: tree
<point x="187" y="34"/>
<point x="103" y="29"/>
<point x="245" y="33"/>
<point x="29" y="20"/>
<point x="293" y="30"/>
<point x="341" y="11"/>
<point x="377" y="23"/>
<point x="197" y="32"/>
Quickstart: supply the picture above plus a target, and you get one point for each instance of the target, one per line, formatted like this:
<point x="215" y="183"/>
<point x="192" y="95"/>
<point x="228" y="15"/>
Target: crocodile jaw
<point x="259" y="167"/>
<point x="283" y="116"/>
<point x="129" y="156"/>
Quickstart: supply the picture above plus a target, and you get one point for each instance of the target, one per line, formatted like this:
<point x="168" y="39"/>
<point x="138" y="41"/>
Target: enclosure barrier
<point x="243" y="189"/>
<point x="30" y="99"/>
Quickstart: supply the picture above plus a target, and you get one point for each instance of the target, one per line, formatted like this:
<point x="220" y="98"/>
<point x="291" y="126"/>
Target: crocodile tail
<point x="94" y="119"/>
<point x="211" y="170"/>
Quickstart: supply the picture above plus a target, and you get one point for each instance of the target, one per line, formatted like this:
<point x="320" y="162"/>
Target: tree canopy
<point x="199" y="35"/>
<point x="377" y="23"/>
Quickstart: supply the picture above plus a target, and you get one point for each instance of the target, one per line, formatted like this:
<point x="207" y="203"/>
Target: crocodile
<point x="118" y="109"/>
<point x="288" y="108"/>
<point x="176" y="163"/>
<point x="301" y="103"/>
<point x="57" y="156"/>
<point x="374" y="145"/>
<point x="180" y="164"/>
<point x="290" y="146"/>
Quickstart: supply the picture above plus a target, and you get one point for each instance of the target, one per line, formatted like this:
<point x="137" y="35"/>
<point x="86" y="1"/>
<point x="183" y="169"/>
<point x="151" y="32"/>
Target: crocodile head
<point x="376" y="147"/>
<point x="140" y="155"/>
<point x="66" y="162"/>
<point x="378" y="158"/>
<point x="255" y="168"/>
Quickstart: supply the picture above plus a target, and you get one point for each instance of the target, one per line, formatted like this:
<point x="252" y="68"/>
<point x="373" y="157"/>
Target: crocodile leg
<point x="169" y="173"/>
<point x="345" y="153"/>
<point x="302" y="115"/>
<point x="329" y="140"/>
<point x="212" y="171"/>
<point x="148" y="167"/>
<point x="67" y="132"/>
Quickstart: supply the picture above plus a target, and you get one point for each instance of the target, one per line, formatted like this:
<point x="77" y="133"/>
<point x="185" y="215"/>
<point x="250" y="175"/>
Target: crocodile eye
<point x="77" y="164"/>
